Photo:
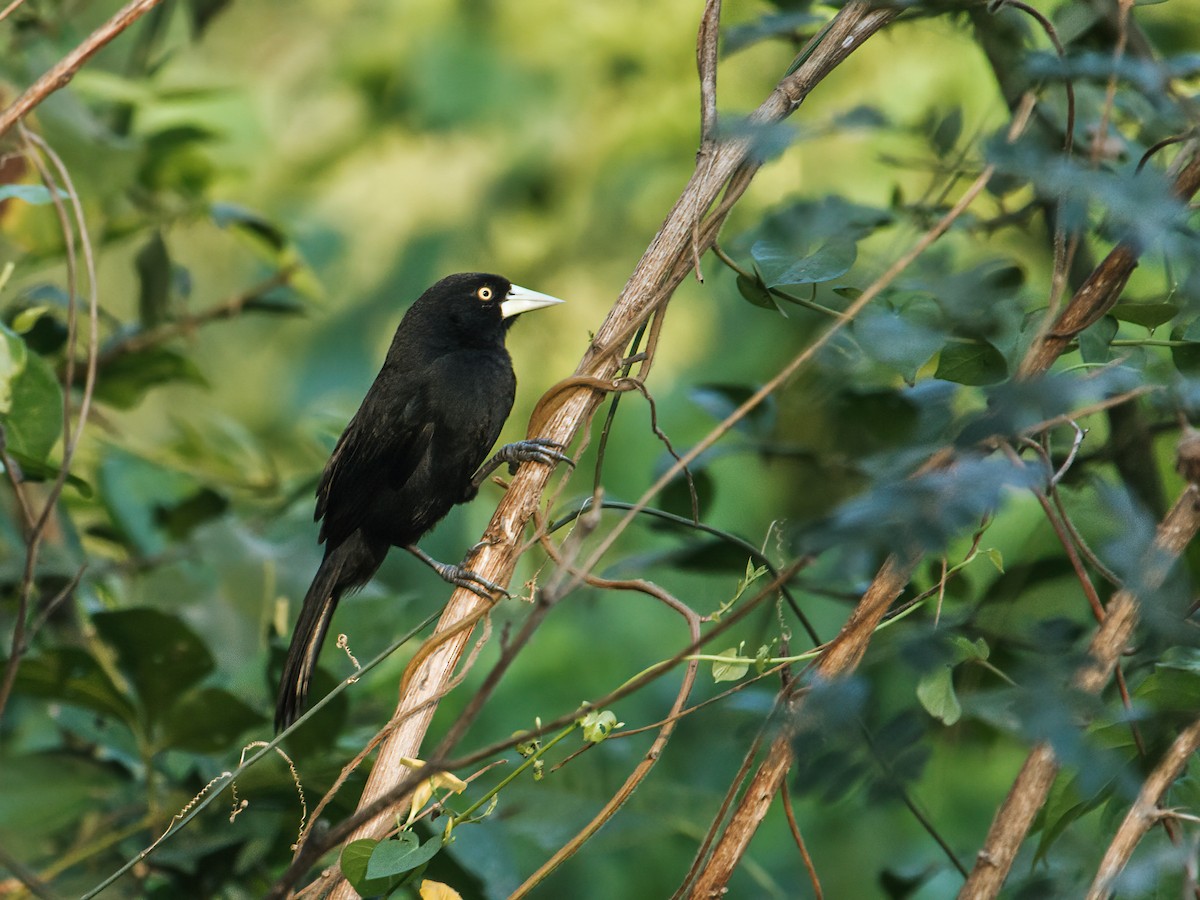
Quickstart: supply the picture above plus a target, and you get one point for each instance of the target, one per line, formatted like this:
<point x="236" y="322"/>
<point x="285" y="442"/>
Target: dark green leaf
<point x="229" y="215"/>
<point x="812" y="242"/>
<point x="719" y="400"/>
<point x="126" y="379"/>
<point x="396" y="857"/>
<point x="139" y="496"/>
<point x="153" y="264"/>
<point x="790" y="25"/>
<point x="71" y="675"/>
<point x="160" y="655"/>
<point x="278" y="304"/>
<point x="946" y="132"/>
<point x="810" y="263"/>
<point x="354" y="860"/>
<point x="754" y="291"/>
<point x="1095" y="340"/>
<point x="207" y="721"/>
<point x="36" y="470"/>
<point x="896" y="340"/>
<point x="974" y="363"/>
<point x="1148" y="315"/>
<point x="676" y="496"/>
<point x="1186" y="358"/>
<point x="203" y="506"/>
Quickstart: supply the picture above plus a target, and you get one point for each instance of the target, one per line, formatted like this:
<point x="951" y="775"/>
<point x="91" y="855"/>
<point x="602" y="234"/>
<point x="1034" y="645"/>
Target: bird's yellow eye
<point x="484" y="294"/>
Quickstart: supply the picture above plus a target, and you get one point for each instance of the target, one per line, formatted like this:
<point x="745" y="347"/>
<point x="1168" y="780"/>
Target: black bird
<point x="413" y="450"/>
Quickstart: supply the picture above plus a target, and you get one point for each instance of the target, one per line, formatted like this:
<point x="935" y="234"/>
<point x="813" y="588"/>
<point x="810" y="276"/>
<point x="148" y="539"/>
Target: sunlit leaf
<point x="732" y="670"/>
<point x="935" y="690"/>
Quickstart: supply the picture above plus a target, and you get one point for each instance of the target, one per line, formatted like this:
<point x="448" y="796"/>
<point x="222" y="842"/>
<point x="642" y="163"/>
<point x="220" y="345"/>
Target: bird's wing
<point x="379" y="448"/>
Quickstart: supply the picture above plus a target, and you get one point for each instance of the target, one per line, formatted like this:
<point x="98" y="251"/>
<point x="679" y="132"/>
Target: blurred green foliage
<point x="265" y="191"/>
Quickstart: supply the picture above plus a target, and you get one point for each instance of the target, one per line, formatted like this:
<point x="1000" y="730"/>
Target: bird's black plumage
<point x="413" y="449"/>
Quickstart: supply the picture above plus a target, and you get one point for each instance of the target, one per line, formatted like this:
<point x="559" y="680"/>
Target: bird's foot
<point x="541" y="450"/>
<point x="459" y="576"/>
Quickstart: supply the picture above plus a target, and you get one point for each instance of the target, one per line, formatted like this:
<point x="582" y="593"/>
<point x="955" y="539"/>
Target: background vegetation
<point x="265" y="189"/>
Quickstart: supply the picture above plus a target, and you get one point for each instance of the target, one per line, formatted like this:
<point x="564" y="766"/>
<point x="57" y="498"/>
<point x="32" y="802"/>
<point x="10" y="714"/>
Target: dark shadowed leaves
<point x="127" y="377"/>
<point x="207" y="721"/>
<point x="160" y="655"/>
<point x="812" y="242"/>
<point x="719" y="400"/>
<point x="921" y="514"/>
<point x="72" y="675"/>
<point x="787" y="25"/>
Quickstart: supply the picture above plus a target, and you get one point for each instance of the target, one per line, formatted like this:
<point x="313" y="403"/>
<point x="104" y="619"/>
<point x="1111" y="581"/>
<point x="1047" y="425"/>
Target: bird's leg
<point x="459" y="576"/>
<point x="539" y="450"/>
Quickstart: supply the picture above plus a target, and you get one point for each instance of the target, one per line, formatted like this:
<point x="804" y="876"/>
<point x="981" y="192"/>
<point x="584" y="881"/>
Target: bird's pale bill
<point x="522" y="300"/>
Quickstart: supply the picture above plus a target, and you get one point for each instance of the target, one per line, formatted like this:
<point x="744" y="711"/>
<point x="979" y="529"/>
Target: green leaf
<point x="1148" y="315"/>
<point x="24" y="321"/>
<point x="896" y="340"/>
<point x="276" y="304"/>
<point x="975" y="363"/>
<point x="400" y="856"/>
<point x="935" y="690"/>
<point x="33" y="194"/>
<point x="966" y="649"/>
<point x="1096" y="340"/>
<point x="30" y="399"/>
<point x="996" y="558"/>
<point x="13" y="356"/>
<point x="160" y="655"/>
<point x="818" y="260"/>
<point x="733" y="670"/>
<point x="755" y="292"/>
<point x="944" y="134"/>
<point x="1187" y="358"/>
<point x="812" y="242"/>
<point x="126" y="379"/>
<point x="355" y="859"/>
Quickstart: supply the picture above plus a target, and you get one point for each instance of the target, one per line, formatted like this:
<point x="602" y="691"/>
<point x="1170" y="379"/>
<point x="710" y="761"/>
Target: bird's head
<point x="478" y="306"/>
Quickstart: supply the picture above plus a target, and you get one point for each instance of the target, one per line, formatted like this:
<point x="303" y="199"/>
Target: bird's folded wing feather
<point x="377" y="449"/>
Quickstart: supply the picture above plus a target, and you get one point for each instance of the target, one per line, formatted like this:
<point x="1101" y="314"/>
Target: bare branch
<point x="1144" y="812"/>
<point x="63" y="71"/>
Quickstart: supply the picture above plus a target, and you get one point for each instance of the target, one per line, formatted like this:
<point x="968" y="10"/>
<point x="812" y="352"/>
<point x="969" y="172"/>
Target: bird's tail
<point x="347" y="566"/>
